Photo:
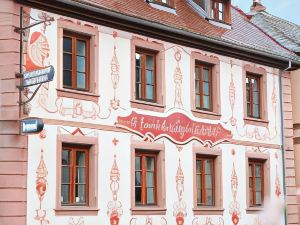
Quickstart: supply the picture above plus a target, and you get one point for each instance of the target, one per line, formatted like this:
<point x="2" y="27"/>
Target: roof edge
<point x="105" y="17"/>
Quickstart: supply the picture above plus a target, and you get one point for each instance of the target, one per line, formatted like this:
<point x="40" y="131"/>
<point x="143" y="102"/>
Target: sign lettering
<point x="177" y="127"/>
<point x="31" y="125"/>
<point x="38" y="76"/>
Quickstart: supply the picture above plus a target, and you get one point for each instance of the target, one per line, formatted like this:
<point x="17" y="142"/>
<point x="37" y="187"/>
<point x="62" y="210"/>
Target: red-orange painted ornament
<point x="177" y="127"/>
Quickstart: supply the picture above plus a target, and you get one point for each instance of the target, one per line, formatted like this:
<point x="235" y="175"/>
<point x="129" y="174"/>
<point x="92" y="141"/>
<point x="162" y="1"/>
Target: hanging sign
<point x="31" y="125"/>
<point x="39" y="76"/>
<point x="177" y="127"/>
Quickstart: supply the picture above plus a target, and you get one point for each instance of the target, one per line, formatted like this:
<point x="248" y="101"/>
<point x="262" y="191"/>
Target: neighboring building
<point x="288" y="35"/>
<point x="160" y="112"/>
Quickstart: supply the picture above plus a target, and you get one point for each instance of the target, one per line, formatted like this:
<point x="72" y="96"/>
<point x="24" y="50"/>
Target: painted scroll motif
<point x="177" y="127"/>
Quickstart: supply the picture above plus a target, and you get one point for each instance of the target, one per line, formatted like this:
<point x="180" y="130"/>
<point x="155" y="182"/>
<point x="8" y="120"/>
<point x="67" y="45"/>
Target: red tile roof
<point x="243" y="33"/>
<point x="185" y="18"/>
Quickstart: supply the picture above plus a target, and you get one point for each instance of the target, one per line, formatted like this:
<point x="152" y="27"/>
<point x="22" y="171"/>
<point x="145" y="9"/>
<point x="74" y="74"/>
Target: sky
<point x="286" y="9"/>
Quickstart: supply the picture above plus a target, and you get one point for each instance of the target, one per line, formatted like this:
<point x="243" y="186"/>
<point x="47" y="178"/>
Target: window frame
<point x="71" y="25"/>
<point x="153" y="46"/>
<point x="265" y="159"/>
<point x="201" y="66"/>
<point x="143" y="154"/>
<point x="253" y="163"/>
<point x="74" y="148"/>
<point x="91" y="208"/>
<point x="203" y="196"/>
<point x="169" y="3"/>
<point x="74" y="37"/>
<point x="258" y="71"/>
<point x="257" y="77"/>
<point x="145" y="53"/>
<point x="215" y="154"/>
<point x="150" y="148"/>
<point x="214" y="62"/>
<point x="226" y="11"/>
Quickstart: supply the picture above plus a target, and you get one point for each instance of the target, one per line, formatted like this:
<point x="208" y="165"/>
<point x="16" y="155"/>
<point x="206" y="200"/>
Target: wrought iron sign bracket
<point x="20" y="75"/>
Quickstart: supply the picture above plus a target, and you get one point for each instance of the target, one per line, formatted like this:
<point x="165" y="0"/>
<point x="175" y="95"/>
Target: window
<point x="148" y="194"/>
<point x="256" y="182"/>
<point x="77" y="175"/>
<point x="145" y="75"/>
<point x="205" y="181"/>
<point x="217" y="10"/>
<point x="203" y="86"/>
<point x="255" y="87"/>
<point x="220" y="10"/>
<point x="145" y="178"/>
<point x="201" y="3"/>
<point x="253" y="95"/>
<point x="76" y="61"/>
<point x="74" y="175"/>
<point x="165" y="2"/>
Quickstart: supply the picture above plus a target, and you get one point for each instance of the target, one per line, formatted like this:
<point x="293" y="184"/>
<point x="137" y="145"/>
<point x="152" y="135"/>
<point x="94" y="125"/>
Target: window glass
<point x="145" y="192"/>
<point x="203" y="82"/>
<point x="205" y="181"/>
<point x="74" y="170"/>
<point x="75" y="62"/>
<point x="145" y="76"/>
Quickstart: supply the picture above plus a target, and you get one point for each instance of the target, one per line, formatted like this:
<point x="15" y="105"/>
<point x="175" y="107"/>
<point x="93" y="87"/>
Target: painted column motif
<point x="115" y="76"/>
<point x="114" y="207"/>
<point x="234" y="208"/>
<point x="179" y="206"/>
<point x="41" y="187"/>
<point x="277" y="180"/>
<point x="178" y="81"/>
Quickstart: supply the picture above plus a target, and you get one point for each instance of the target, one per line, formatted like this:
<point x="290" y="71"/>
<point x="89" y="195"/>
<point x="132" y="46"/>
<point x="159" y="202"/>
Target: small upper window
<point x="164" y="2"/>
<point x="220" y="10"/>
<point x="201" y="3"/>
<point x="253" y="95"/>
<point x="203" y="86"/>
<point x="76" y="61"/>
<point x="145" y="77"/>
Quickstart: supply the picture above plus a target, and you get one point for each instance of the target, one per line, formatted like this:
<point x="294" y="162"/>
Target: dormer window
<point x="220" y="10"/>
<point x="169" y="3"/>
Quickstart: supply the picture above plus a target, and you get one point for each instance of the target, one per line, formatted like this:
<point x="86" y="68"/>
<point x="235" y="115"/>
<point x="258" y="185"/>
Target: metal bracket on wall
<point x="21" y="30"/>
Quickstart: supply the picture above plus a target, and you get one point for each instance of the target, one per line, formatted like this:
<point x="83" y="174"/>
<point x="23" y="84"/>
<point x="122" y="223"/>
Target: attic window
<point x="220" y="10"/>
<point x="168" y="3"/>
<point x="201" y="3"/>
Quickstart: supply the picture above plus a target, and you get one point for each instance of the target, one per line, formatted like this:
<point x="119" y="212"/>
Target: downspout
<point x="282" y="136"/>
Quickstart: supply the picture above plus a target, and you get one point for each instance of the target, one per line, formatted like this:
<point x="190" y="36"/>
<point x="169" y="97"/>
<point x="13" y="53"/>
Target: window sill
<point x="206" y="114"/>
<point x="256" y="122"/>
<point x="156" y="107"/>
<point x="254" y="210"/>
<point x="69" y="93"/>
<point x="76" y="210"/>
<point x="148" y="210"/>
<point x="208" y="211"/>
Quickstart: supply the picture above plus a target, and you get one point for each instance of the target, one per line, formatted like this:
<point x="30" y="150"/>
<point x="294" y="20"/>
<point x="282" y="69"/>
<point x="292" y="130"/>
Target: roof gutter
<point x="86" y="11"/>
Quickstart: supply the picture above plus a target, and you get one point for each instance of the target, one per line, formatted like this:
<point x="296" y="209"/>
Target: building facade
<point x="177" y="120"/>
<point x="286" y="34"/>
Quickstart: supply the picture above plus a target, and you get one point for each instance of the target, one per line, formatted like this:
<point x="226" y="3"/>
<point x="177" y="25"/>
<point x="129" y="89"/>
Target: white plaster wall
<point x="122" y="150"/>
